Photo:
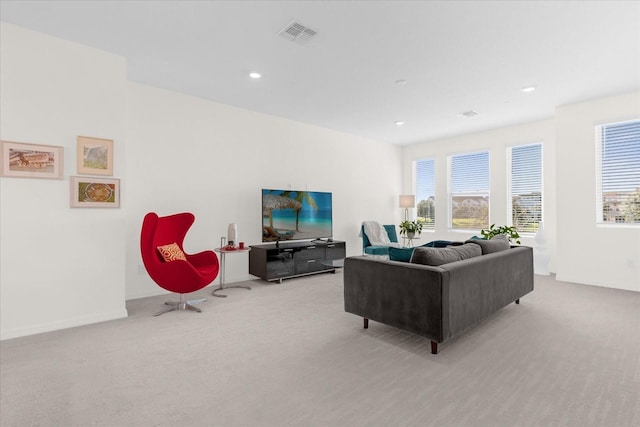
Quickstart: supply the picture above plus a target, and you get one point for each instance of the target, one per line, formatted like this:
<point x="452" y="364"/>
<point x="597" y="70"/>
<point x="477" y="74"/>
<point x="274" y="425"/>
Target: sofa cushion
<point x="405" y="254"/>
<point x="496" y="244"/>
<point x="400" y="254"/>
<point x="439" y="256"/>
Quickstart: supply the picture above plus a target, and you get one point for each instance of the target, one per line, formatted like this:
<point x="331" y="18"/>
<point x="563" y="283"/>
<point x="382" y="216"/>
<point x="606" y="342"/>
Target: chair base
<point x="181" y="305"/>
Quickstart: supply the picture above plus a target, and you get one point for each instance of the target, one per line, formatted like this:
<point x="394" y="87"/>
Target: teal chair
<point x="368" y="249"/>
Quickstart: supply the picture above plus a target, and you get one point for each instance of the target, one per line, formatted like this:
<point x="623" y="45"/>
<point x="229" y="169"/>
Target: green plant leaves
<point x="510" y="231"/>
<point x="410" y="226"/>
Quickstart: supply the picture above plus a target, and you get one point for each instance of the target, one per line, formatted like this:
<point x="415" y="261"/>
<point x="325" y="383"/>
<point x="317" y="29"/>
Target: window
<point x="618" y="173"/>
<point x="525" y="187"/>
<point x="469" y="191"/>
<point x="425" y="193"/>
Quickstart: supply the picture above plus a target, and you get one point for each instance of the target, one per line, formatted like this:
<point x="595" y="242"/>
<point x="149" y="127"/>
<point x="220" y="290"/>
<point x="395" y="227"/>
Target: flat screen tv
<point x="296" y="215"/>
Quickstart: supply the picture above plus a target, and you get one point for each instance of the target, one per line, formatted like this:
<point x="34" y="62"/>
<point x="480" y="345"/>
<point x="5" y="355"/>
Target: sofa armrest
<point x="480" y="286"/>
<point x="403" y="295"/>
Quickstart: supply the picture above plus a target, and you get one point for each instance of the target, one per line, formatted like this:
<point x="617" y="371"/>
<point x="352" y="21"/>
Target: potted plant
<point x="410" y="228"/>
<point x="510" y="231"/>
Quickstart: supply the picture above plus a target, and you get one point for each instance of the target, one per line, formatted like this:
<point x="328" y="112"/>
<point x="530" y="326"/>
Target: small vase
<point x="411" y="234"/>
<point x="232" y="234"/>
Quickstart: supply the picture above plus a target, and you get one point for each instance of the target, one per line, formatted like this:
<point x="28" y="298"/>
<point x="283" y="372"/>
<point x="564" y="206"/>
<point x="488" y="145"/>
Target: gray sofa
<point x="437" y="302"/>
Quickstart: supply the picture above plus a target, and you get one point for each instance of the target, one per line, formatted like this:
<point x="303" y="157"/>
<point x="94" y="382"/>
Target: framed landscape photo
<point x="95" y="156"/>
<point x="22" y="160"/>
<point x="90" y="192"/>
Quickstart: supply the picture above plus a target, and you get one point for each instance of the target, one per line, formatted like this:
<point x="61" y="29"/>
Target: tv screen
<point x="296" y="215"/>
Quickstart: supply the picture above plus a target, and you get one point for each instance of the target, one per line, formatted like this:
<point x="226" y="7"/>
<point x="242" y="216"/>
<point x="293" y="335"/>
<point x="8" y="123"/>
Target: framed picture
<point x="95" y="156"/>
<point x="22" y="160"/>
<point x="89" y="192"/>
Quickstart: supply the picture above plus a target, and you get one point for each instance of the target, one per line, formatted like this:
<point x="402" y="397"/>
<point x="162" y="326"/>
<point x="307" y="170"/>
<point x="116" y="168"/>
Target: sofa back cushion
<point x="439" y="256"/>
<point x="497" y="244"/>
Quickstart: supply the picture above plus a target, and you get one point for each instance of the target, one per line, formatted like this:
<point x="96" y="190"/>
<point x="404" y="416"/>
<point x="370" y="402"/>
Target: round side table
<point x="223" y="252"/>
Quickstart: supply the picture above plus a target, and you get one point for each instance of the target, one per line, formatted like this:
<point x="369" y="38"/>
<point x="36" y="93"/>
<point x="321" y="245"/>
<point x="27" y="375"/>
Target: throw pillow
<point x="400" y="254"/>
<point x="405" y="254"/>
<point x="171" y="252"/>
<point x="497" y="244"/>
<point x="439" y="256"/>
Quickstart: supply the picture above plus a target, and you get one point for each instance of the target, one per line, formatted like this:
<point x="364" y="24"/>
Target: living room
<point x="174" y="152"/>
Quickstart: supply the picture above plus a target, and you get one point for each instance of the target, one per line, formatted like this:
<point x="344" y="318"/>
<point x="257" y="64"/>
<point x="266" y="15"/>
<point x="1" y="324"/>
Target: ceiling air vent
<point x="296" y="32"/>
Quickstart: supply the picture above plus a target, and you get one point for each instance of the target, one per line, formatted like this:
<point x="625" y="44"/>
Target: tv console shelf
<point x="294" y="259"/>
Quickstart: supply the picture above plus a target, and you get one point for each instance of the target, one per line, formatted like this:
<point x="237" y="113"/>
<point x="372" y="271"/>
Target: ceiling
<point x="454" y="56"/>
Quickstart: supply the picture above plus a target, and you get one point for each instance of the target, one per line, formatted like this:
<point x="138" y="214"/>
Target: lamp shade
<point x="407" y="201"/>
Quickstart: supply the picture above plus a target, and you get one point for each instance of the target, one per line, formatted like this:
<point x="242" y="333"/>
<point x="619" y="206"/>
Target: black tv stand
<point x="284" y="260"/>
<point x="321" y="240"/>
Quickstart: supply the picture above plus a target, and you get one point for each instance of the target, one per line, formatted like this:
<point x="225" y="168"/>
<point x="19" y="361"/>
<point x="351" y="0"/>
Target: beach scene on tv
<point x="295" y="215"/>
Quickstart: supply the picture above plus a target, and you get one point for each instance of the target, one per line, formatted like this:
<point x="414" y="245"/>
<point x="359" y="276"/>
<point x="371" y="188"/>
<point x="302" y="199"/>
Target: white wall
<point x="189" y="154"/>
<point x="59" y="267"/>
<point x="496" y="142"/>
<point x="590" y="254"/>
<point x="62" y="267"/>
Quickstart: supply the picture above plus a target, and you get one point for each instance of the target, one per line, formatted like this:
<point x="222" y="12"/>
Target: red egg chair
<point x="163" y="256"/>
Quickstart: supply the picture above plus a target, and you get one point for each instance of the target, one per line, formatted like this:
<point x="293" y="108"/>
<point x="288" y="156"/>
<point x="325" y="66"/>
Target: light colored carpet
<point x="288" y="355"/>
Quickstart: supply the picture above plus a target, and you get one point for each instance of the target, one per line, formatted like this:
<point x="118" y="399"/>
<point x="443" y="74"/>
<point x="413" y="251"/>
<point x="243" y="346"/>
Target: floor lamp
<point x="407" y="201"/>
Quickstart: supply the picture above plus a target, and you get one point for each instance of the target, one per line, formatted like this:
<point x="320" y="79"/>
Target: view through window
<point x="525" y="189"/>
<point x="425" y="193"/>
<point x="618" y="168"/>
<point x="469" y="191"/>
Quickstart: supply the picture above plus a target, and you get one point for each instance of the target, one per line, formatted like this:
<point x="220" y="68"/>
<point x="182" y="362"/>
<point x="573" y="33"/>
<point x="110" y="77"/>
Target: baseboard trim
<point x="582" y="281"/>
<point x="62" y="324"/>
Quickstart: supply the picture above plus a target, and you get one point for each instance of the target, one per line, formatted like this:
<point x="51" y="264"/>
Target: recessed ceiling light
<point x="528" y="89"/>
<point x="255" y="75"/>
<point x="399" y="122"/>
<point x="469" y="113"/>
<point x="401" y="82"/>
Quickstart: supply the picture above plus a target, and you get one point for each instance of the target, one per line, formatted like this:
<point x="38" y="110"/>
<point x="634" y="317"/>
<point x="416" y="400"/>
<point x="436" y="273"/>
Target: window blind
<point x="425" y="193"/>
<point x="469" y="191"/>
<point x="618" y="192"/>
<point x="525" y="187"/>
